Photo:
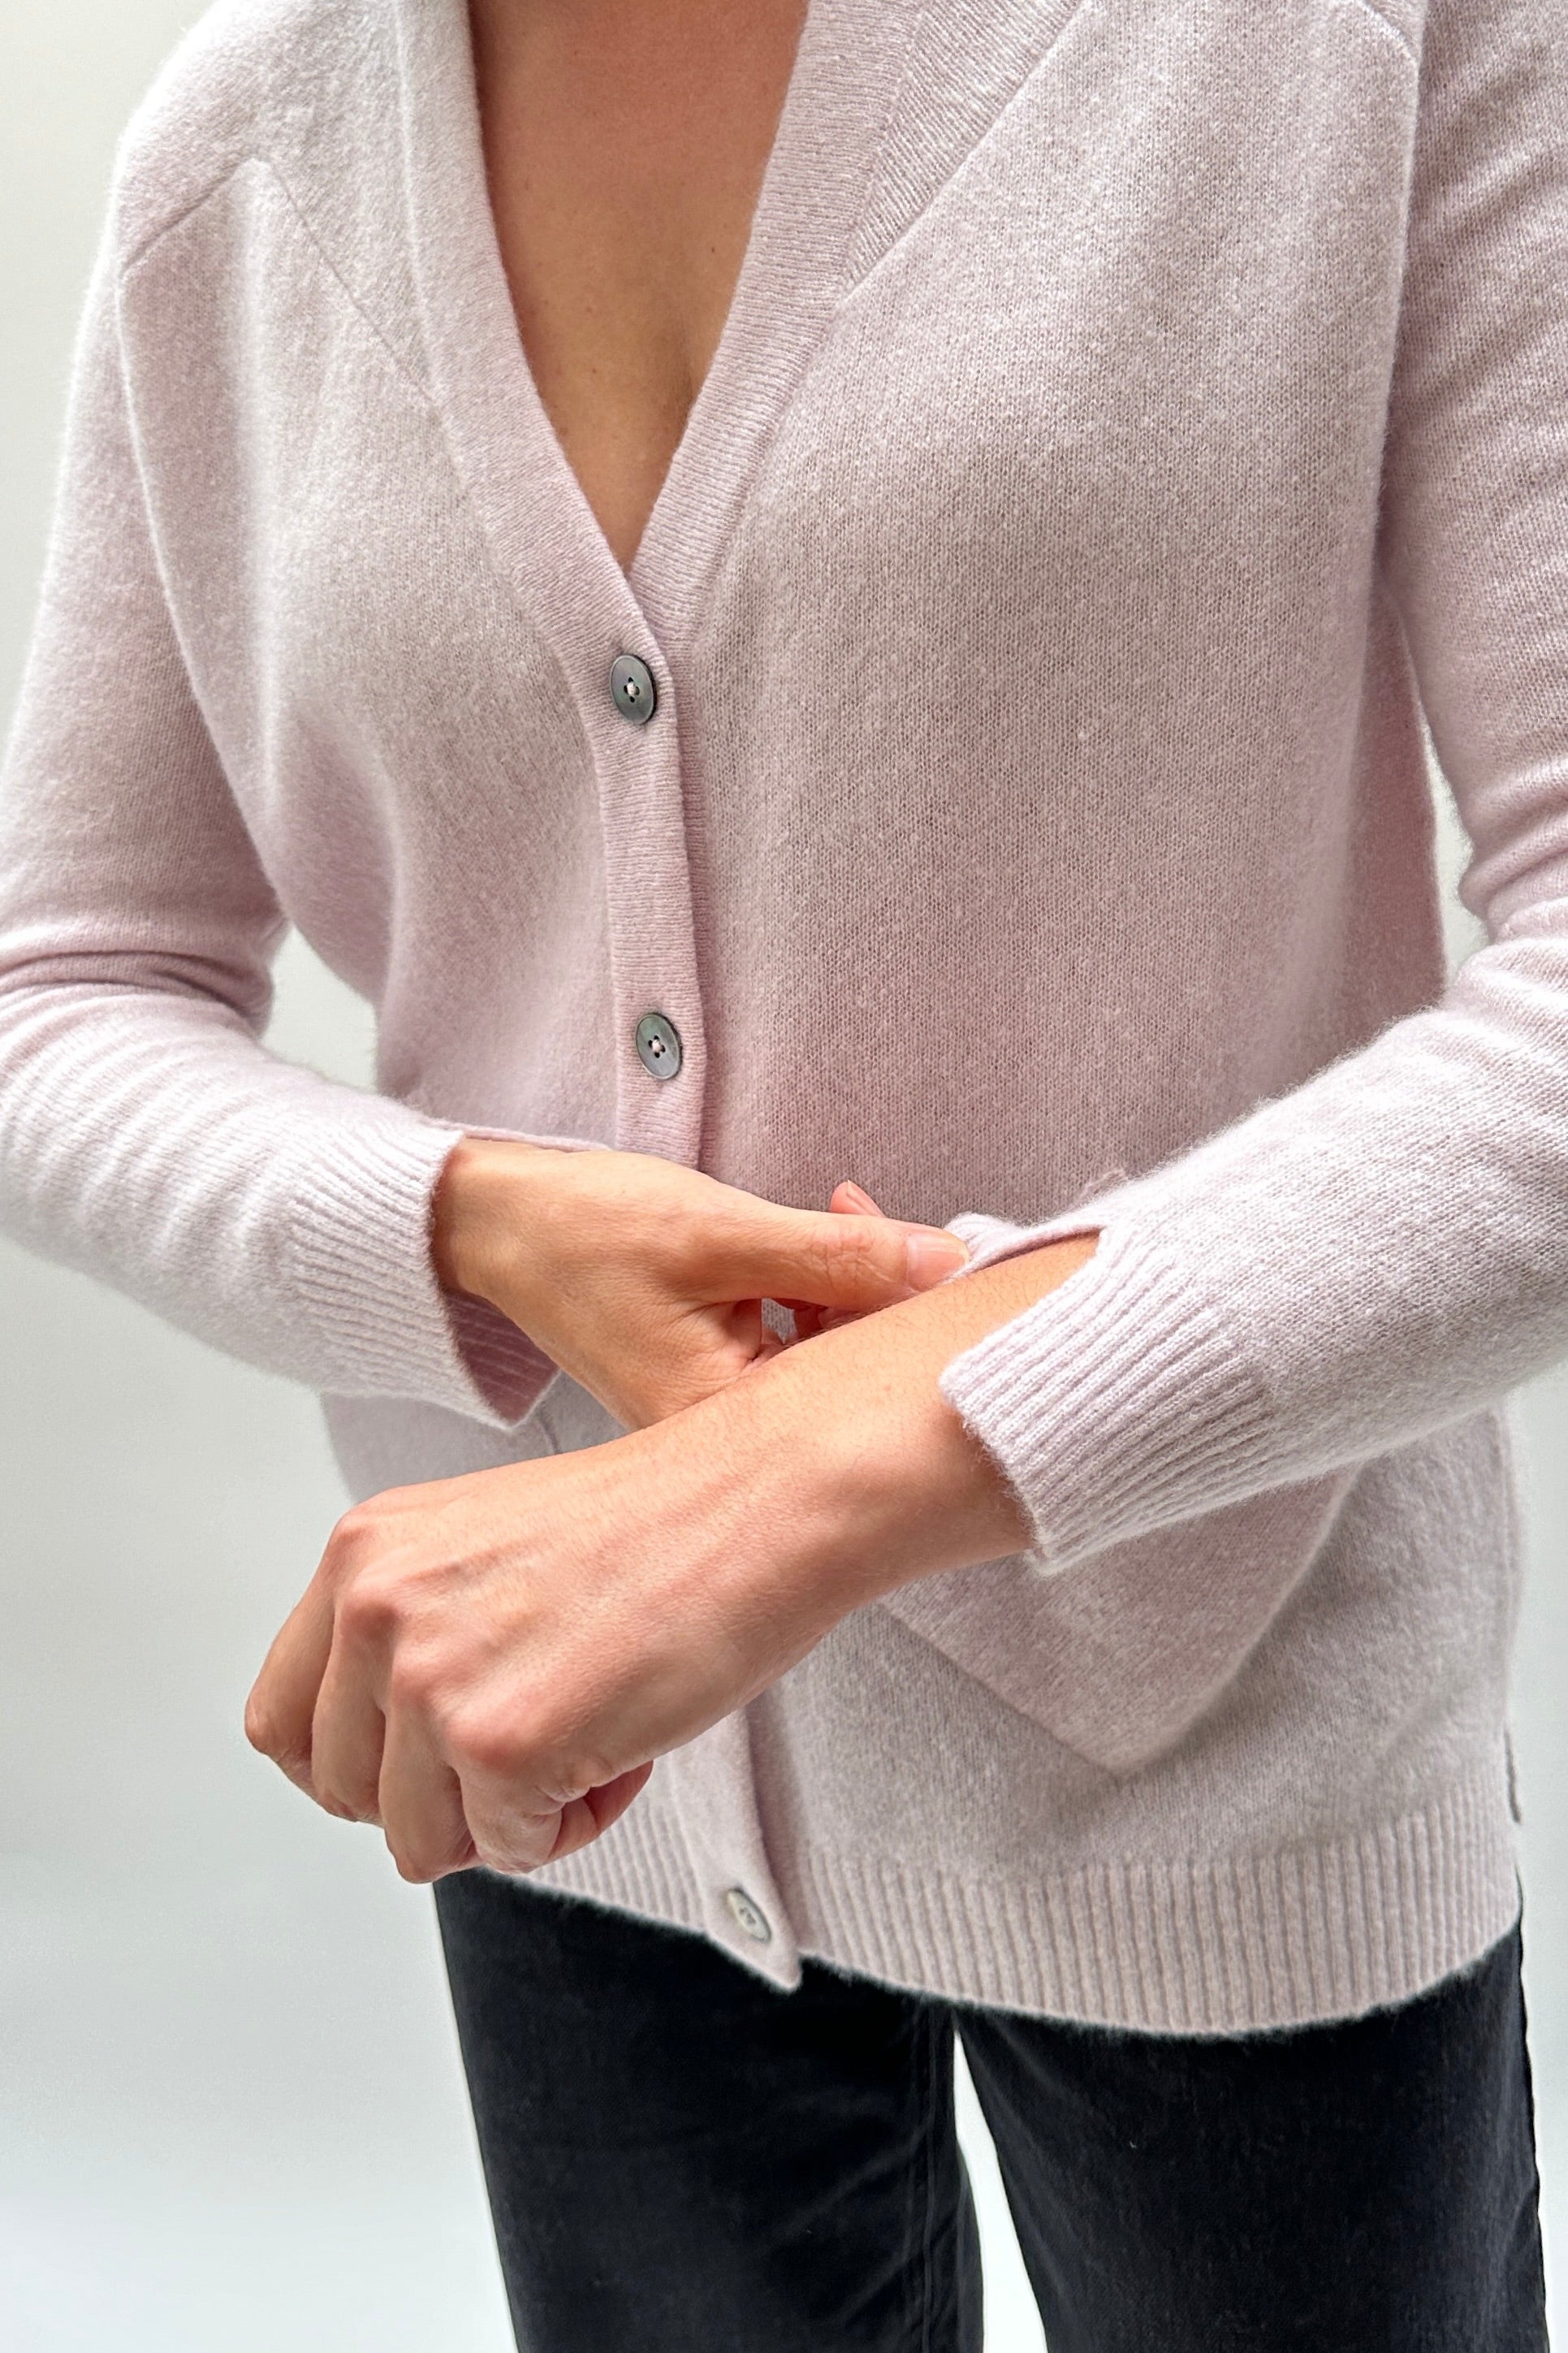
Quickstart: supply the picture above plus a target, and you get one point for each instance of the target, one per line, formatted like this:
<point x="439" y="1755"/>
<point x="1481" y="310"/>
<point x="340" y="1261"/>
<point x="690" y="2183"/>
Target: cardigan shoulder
<point x="306" y="87"/>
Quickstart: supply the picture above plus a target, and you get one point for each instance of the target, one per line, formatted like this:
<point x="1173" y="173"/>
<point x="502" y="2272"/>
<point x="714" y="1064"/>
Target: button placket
<point x="710" y="1785"/>
<point x="634" y="692"/>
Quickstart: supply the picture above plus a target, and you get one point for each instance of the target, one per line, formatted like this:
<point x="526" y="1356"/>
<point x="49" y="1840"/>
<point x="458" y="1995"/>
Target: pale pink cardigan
<point x="1133" y="427"/>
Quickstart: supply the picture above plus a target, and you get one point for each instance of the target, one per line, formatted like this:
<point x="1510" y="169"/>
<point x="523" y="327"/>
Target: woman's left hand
<point x="489" y="1665"/>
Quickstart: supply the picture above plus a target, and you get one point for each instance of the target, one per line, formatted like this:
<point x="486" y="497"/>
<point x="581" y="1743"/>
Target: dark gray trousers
<point x="681" y="2160"/>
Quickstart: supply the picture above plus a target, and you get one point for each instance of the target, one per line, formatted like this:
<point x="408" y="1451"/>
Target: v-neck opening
<point x="538" y="518"/>
<point x="735" y="303"/>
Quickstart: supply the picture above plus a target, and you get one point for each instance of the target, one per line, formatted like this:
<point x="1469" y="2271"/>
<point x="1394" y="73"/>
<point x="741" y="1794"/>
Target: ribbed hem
<point x="363" y="1273"/>
<point x="641" y="1865"/>
<point x="1231" y="1945"/>
<point x="1236" y="1944"/>
<point x="1116" y="1404"/>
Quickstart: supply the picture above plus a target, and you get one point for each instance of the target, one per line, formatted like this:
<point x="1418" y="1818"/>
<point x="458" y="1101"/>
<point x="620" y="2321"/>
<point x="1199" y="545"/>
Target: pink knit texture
<point x="1136" y="433"/>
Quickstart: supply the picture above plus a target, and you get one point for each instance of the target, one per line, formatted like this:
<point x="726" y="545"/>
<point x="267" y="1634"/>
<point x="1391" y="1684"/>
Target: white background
<point x="231" y="2117"/>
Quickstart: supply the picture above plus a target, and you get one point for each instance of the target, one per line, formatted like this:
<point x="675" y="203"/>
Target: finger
<point x="512" y="1831"/>
<point x="518" y="1816"/>
<point x="421" y="1802"/>
<point x="347" y="1737"/>
<point x="509" y="1837"/>
<point x="590" y="1816"/>
<point x="832" y="1259"/>
<point x="279" y="1711"/>
<point x="853" y="1201"/>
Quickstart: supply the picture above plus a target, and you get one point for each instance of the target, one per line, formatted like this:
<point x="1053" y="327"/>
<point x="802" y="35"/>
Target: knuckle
<point x="341" y="1809"/>
<point x="283" y="1744"/>
<point x="851" y="1256"/>
<point x="370" y="1610"/>
<point x="261" y="1729"/>
<point x="414" y="1683"/>
<point x="484" y="1742"/>
<point x="415" y="1870"/>
<point x="369" y="1528"/>
<point x="416" y="1860"/>
<point x="357" y="1531"/>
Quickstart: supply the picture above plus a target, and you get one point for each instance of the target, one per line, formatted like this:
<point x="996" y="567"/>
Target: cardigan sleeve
<point x="1382" y="1250"/>
<point x="146" y="1134"/>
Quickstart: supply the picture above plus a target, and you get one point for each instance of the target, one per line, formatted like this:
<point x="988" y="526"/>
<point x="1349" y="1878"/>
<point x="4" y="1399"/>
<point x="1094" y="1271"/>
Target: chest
<point x="1040" y="394"/>
<point x="625" y="147"/>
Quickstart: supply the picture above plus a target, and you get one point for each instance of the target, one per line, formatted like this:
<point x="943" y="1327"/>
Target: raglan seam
<point x="265" y="163"/>
<point x="1380" y="17"/>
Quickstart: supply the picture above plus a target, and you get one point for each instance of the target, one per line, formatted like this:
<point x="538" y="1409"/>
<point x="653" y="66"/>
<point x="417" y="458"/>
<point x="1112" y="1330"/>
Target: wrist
<point x="896" y="1485"/>
<point x="855" y="1476"/>
<point x="865" y="1474"/>
<point x="480" y="1213"/>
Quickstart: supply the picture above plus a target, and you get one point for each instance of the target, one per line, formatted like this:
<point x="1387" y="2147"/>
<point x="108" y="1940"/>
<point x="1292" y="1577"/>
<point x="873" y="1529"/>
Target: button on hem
<point x="749" y="1917"/>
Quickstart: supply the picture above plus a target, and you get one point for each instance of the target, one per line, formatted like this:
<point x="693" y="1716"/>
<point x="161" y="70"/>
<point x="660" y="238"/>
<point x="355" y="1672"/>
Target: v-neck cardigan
<point x="1137" y="435"/>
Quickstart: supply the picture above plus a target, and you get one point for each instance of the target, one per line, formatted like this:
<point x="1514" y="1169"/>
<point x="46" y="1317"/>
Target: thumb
<point x="847" y="1199"/>
<point x="851" y="1199"/>
<point x="839" y="1258"/>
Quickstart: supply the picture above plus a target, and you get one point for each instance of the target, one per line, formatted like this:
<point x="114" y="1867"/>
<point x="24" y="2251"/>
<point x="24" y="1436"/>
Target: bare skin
<point x="645" y="1281"/>
<point x="488" y="1666"/>
<point x="626" y="145"/>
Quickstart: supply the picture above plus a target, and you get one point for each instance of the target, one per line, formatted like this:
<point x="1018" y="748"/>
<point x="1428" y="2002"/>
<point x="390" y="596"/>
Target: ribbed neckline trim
<point x="542" y="533"/>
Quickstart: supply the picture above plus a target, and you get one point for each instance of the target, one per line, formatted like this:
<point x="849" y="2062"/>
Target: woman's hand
<point x="644" y="1280"/>
<point x="487" y="1665"/>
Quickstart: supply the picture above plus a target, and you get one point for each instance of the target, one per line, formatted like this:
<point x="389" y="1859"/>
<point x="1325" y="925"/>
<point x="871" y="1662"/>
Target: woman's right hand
<point x="644" y="1280"/>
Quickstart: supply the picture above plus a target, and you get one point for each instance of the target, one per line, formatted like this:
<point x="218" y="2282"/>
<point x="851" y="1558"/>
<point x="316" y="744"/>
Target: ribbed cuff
<point x="363" y="1270"/>
<point x="1116" y="1405"/>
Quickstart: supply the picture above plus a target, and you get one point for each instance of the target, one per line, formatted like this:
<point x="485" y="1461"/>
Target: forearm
<point x="574" y="1618"/>
<point x="857" y="1454"/>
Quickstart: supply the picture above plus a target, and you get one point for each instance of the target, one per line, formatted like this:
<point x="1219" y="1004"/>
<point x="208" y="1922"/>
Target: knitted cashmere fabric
<point x="1136" y="433"/>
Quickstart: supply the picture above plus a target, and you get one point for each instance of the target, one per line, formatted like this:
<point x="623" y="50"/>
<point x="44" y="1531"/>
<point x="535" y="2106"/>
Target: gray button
<point x="747" y="1916"/>
<point x="631" y="683"/>
<point x="659" y="1045"/>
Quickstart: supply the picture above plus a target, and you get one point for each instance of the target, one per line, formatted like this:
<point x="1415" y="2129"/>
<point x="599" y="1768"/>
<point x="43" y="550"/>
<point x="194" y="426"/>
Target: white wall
<point x="230" y="2111"/>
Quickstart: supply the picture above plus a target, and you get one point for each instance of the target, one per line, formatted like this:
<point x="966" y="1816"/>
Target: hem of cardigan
<point x="641" y="1864"/>
<point x="1227" y="1945"/>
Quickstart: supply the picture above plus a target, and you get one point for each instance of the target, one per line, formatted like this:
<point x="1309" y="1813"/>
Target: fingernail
<point x="862" y="1198"/>
<point x="933" y="1257"/>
